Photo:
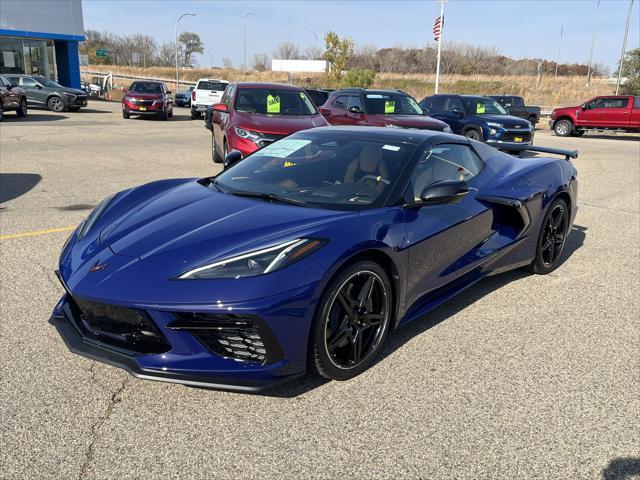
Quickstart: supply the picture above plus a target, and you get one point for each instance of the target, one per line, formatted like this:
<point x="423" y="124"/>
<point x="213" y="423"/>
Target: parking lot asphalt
<point x="521" y="376"/>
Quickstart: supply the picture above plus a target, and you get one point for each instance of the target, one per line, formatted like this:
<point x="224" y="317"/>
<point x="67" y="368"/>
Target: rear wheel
<point x="125" y="114"/>
<point x="563" y="128"/>
<point x="22" y="109"/>
<point x="194" y="114"/>
<point x="215" y="156"/>
<point x="473" y="134"/>
<point x="351" y="322"/>
<point x="552" y="238"/>
<point x="55" y="104"/>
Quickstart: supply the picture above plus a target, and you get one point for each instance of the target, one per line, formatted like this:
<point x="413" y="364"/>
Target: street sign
<point x="102" y="52"/>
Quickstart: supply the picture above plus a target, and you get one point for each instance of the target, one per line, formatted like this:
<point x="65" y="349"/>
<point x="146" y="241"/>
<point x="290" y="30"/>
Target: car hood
<point x="508" y="121"/>
<point x="145" y="96"/>
<point x="278" y="124"/>
<point x="411" y="121"/>
<point x="191" y="223"/>
<point x="74" y="91"/>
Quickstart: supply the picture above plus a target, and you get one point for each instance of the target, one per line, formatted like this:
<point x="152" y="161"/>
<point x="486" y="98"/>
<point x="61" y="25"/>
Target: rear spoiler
<point x="518" y="147"/>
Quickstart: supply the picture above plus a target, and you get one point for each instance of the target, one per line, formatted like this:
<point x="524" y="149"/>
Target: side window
<point x="341" y="102"/>
<point x="445" y="162"/>
<point x="636" y="102"/>
<point x="614" y="102"/>
<point x="230" y="92"/>
<point x="225" y="96"/>
<point x="518" y="102"/>
<point x="356" y="101"/>
<point x="454" y="103"/>
<point x="597" y="103"/>
<point x="27" y="82"/>
<point x="3" y="83"/>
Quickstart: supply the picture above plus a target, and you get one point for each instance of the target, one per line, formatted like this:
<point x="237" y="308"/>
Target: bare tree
<point x="227" y="63"/>
<point x="286" y="51"/>
<point x="313" y="52"/>
<point x="261" y="62"/>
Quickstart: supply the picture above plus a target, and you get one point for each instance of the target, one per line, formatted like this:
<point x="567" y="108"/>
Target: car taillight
<point x="193" y="94"/>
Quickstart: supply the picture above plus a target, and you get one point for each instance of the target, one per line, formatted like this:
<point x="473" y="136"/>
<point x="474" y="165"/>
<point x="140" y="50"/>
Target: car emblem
<point x="518" y="126"/>
<point x="98" y="266"/>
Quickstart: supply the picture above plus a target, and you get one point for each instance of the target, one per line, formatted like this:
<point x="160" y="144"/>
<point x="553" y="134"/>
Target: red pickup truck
<point x="614" y="112"/>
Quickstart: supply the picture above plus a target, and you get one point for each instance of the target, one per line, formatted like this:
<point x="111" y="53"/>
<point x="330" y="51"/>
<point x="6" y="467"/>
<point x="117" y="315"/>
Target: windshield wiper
<point x="270" y="197"/>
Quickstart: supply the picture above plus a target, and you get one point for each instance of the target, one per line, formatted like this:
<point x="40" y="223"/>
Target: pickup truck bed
<point x="516" y="107"/>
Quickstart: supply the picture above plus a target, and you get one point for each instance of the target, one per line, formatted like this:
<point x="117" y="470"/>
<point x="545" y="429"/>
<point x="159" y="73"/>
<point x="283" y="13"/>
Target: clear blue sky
<point x="527" y="28"/>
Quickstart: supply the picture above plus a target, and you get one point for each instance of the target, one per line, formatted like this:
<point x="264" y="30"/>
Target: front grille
<point x="127" y="329"/>
<point x="142" y="103"/>
<point x="269" y="139"/>
<point x="241" y="337"/>
<point x="80" y="100"/>
<point x="510" y="136"/>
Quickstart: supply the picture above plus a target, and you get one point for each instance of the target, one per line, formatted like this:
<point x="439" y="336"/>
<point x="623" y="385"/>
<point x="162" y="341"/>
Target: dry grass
<point x="550" y="92"/>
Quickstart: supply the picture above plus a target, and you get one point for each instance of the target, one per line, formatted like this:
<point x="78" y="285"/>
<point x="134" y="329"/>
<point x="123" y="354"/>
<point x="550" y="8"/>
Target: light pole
<point x="315" y="35"/>
<point x="624" y="46"/>
<point x="593" y="43"/>
<point x="559" y="48"/>
<point x="244" y="36"/>
<point x="177" y="22"/>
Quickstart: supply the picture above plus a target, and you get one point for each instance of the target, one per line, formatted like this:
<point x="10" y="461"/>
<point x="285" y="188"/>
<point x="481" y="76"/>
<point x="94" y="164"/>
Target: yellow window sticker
<point x="480" y="108"/>
<point x="389" y="106"/>
<point x="273" y="104"/>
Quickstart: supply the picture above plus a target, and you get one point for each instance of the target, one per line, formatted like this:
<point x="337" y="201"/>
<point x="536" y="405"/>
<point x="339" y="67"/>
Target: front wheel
<point x="125" y="114"/>
<point x="214" y="151"/>
<point x="563" y="128"/>
<point x="22" y="109"/>
<point x="473" y="134"/>
<point x="552" y="238"/>
<point x="351" y="322"/>
<point x="55" y="104"/>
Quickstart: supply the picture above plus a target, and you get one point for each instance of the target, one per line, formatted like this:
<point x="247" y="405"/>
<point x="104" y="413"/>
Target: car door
<point x="35" y="92"/>
<point x="615" y="112"/>
<point x="355" y="100"/>
<point x="336" y="114"/>
<point x="446" y="241"/>
<point x="591" y="114"/>
<point x="221" y="120"/>
<point x="9" y="98"/>
<point x="634" y="118"/>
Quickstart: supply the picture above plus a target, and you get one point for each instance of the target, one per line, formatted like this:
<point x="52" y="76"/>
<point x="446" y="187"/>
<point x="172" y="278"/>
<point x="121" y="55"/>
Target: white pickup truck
<point x="207" y="92"/>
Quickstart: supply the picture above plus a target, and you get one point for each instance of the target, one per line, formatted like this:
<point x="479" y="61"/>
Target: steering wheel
<point x="375" y="178"/>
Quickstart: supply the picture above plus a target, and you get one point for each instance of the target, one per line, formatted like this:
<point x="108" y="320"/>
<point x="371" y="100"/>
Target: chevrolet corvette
<point x="305" y="255"/>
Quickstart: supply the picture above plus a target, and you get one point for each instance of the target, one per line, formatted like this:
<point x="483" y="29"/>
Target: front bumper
<point x="524" y="137"/>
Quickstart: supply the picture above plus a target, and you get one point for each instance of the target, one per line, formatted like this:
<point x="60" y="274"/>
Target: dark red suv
<point x="253" y="115"/>
<point x="148" y="98"/>
<point x="378" y="108"/>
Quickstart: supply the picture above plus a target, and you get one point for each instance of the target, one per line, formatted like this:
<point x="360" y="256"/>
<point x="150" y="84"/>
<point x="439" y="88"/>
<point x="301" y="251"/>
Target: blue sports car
<point x="304" y="255"/>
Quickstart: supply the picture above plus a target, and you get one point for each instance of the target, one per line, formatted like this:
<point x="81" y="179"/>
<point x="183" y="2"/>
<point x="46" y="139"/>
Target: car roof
<point x="273" y="86"/>
<point x="368" y="90"/>
<point x="212" y="80"/>
<point x="407" y="135"/>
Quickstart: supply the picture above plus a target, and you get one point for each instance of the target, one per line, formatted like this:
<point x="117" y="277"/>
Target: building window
<point x="34" y="52"/>
<point x="11" y="60"/>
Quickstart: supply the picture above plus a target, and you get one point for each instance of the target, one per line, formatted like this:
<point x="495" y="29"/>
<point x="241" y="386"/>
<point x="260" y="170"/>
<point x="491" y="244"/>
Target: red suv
<point x="148" y="98"/>
<point x="253" y="115"/>
<point x="378" y="108"/>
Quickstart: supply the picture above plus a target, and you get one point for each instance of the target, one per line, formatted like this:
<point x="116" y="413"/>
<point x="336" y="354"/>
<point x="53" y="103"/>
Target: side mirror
<point x="325" y="112"/>
<point x="583" y="106"/>
<point x="221" y="107"/>
<point x="440" y="193"/>
<point x="355" y="109"/>
<point x="232" y="158"/>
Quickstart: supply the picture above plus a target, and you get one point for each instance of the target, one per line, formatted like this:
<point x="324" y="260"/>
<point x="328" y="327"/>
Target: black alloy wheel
<point x="352" y="322"/>
<point x="553" y="236"/>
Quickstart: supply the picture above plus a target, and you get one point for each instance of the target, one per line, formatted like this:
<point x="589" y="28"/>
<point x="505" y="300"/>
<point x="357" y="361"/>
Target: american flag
<point x="437" y="28"/>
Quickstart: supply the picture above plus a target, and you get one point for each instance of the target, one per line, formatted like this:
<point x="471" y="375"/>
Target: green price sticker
<point x="480" y="108"/>
<point x="273" y="104"/>
<point x="389" y="106"/>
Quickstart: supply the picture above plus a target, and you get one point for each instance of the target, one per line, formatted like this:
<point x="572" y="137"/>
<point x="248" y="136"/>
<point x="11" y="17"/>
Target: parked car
<point x="608" y="112"/>
<point x="145" y="98"/>
<point x="43" y="91"/>
<point x="12" y="98"/>
<point x="318" y="95"/>
<point x="183" y="98"/>
<point x="253" y="115"/>
<point x="515" y="106"/>
<point x="478" y="118"/>
<point x="206" y="92"/>
<point x="377" y="108"/>
<point x="303" y="256"/>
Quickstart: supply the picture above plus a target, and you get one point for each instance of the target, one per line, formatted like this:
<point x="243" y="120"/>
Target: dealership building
<point x="40" y="37"/>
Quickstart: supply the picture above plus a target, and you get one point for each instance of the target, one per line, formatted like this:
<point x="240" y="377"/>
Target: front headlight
<point x="258" y="262"/>
<point x="249" y="135"/>
<point x="88" y="222"/>
<point x="446" y="129"/>
<point x="494" y="124"/>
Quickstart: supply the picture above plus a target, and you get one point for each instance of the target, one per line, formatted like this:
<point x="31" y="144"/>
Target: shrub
<point x="358" y="78"/>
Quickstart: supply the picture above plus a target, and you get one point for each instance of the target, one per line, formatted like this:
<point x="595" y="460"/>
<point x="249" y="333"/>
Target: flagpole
<point x="624" y="47"/>
<point x="593" y="43"/>
<point x="440" y="43"/>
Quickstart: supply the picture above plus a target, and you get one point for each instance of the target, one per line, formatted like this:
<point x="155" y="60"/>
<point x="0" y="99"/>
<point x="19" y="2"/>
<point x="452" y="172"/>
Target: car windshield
<point x="274" y="101"/>
<point x="482" y="106"/>
<point x="391" y="104"/>
<point x="47" y="82"/>
<point x="145" y="87"/>
<point x="212" y="85"/>
<point x="337" y="171"/>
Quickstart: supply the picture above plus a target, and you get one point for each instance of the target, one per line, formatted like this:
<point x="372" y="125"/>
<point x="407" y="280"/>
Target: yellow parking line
<point x="34" y="233"/>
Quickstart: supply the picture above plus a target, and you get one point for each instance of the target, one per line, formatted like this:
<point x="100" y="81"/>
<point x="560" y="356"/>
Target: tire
<point x="473" y="134"/>
<point x="345" y="336"/>
<point x="563" y="128"/>
<point x="194" y="114"/>
<point x="163" y="114"/>
<point x="532" y="121"/>
<point x="1" y="111"/>
<point x="22" y="109"/>
<point x="55" y="104"/>
<point x="125" y="114"/>
<point x="215" y="156"/>
<point x="552" y="238"/>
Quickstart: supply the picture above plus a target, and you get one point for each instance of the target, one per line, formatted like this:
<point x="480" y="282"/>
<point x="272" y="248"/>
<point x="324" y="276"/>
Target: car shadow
<point x="629" y="137"/>
<point x="625" y="468"/>
<point x="32" y="118"/>
<point x="404" y="334"/>
<point x="14" y="185"/>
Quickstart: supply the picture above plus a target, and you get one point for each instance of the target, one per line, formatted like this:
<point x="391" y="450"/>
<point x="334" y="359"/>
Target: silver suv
<point x="45" y="92"/>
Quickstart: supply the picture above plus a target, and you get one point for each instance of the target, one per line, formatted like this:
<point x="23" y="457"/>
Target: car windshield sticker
<point x="284" y="147"/>
<point x="273" y="104"/>
<point x="389" y="106"/>
<point x="480" y="108"/>
<point x="393" y="148"/>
